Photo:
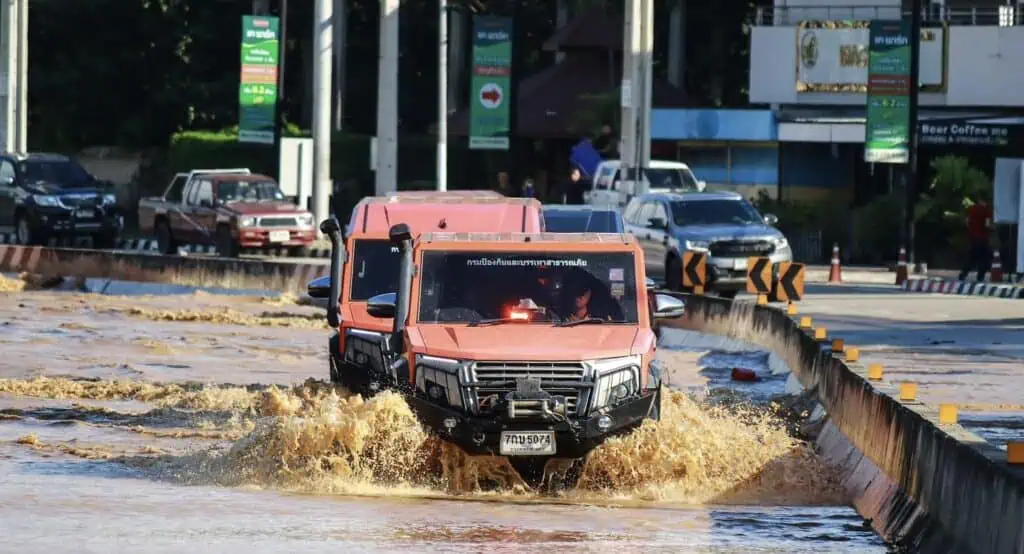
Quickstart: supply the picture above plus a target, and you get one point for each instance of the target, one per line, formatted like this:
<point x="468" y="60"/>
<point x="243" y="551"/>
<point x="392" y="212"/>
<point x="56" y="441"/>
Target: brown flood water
<point x="169" y="424"/>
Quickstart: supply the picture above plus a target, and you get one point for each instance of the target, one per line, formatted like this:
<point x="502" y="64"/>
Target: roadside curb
<point x="922" y="482"/>
<point x="964" y="288"/>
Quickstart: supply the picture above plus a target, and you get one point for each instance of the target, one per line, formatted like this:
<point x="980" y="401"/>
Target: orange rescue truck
<point x="373" y="265"/>
<point x="533" y="346"/>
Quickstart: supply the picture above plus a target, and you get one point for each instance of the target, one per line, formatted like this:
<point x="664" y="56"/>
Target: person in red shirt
<point x="979" y="230"/>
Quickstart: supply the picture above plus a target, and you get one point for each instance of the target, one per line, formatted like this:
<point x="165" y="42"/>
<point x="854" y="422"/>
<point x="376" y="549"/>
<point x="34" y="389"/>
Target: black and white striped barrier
<point x="965" y="288"/>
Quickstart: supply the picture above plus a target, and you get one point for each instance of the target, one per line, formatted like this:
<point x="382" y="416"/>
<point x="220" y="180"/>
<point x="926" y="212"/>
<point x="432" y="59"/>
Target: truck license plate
<point x="527" y="443"/>
<point x="84" y="214"/>
<point x="279" y="236"/>
<point x="739" y="264"/>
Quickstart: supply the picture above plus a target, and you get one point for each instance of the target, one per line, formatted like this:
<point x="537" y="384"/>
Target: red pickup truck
<point x="231" y="209"/>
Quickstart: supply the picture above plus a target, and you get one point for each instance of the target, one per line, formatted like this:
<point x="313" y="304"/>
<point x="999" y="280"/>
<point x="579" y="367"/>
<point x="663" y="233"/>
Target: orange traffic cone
<point x="997" y="268"/>
<point x="835" y="272"/>
<point x="901" y="267"/>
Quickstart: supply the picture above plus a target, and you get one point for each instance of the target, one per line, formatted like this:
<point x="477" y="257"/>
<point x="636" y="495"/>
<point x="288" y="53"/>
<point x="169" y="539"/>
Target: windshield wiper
<point x="495" y="321"/>
<point x="580" y="322"/>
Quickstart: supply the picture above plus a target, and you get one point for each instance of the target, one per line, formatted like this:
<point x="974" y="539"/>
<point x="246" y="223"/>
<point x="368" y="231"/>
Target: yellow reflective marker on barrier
<point x="947" y="414"/>
<point x="908" y="391"/>
<point x="1015" y="452"/>
<point x="762" y="300"/>
<point x="805" y="322"/>
<point x="838" y="345"/>
<point x="852" y="354"/>
<point x="875" y="372"/>
<point x="791" y="309"/>
<point x="820" y="333"/>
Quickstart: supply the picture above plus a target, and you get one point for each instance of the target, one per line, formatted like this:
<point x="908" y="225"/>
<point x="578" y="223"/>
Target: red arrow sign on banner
<point x="492" y="95"/>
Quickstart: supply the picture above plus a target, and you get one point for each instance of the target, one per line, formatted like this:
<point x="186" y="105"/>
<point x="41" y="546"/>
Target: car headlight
<point x="247" y="222"/>
<point x="109" y="199"/>
<point x="697" y="244"/>
<point x="616" y="379"/>
<point x="781" y="242"/>
<point x="306" y="220"/>
<point x="46" y="200"/>
<point x="438" y="378"/>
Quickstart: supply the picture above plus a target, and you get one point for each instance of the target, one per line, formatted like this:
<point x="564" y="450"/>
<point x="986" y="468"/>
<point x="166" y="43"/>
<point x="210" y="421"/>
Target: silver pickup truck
<point x="724" y="225"/>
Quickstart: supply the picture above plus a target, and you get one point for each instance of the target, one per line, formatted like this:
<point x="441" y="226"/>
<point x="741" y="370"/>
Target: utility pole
<point x="442" y="96"/>
<point x="22" y="118"/>
<point x="387" y="99"/>
<point x="912" y="178"/>
<point x="637" y="60"/>
<point x="9" y="19"/>
<point x="340" y="61"/>
<point x="322" y="36"/>
<point x="282" y="42"/>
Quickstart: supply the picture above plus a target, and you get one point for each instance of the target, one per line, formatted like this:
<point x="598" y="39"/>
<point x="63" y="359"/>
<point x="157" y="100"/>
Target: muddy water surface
<point x="201" y="423"/>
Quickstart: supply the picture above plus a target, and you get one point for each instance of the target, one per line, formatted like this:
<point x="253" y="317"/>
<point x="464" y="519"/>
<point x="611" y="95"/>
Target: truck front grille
<point x="80" y="200"/>
<point x="741" y="248"/>
<point x="278" y="222"/>
<point x="556" y="378"/>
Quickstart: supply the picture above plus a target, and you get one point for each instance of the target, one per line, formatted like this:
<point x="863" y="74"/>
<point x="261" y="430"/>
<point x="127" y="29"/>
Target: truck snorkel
<point x="401" y="237"/>
<point x="332" y="229"/>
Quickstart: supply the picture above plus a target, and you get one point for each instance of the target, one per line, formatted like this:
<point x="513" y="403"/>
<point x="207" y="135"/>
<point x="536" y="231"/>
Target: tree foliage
<point x="133" y="72"/>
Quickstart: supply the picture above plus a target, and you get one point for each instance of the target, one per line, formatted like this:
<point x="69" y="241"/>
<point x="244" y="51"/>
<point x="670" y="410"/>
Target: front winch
<point x="530" y="401"/>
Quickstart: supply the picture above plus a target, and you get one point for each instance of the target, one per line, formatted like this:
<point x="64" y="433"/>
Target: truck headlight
<point x="247" y="222"/>
<point x="615" y="380"/>
<point x="438" y="378"/>
<point x="46" y="200"/>
<point x="109" y="199"/>
<point x="305" y="220"/>
<point x="697" y="244"/>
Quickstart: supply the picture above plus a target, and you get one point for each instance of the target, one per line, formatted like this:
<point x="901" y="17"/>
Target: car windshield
<point x="66" y="173"/>
<point x="580" y="221"/>
<point x="375" y="267"/>
<point x="715" y="212"/>
<point x="248" y="191"/>
<point x="670" y="178"/>
<point x="552" y="287"/>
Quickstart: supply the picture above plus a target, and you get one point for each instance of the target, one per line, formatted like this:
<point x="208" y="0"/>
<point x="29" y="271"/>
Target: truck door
<point x="8" y="192"/>
<point x="203" y="213"/>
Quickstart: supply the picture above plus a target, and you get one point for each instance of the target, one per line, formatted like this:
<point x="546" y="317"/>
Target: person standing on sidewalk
<point x="979" y="234"/>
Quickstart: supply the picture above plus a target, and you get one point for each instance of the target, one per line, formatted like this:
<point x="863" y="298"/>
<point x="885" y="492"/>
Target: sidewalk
<point x="868" y="275"/>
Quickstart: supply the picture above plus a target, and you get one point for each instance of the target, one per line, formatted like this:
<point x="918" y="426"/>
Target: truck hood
<point x="263" y="208"/>
<point x="513" y="341"/>
<point x="728" y="232"/>
<point x="43" y="187"/>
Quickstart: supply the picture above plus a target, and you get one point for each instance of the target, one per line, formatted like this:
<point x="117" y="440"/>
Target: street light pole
<point x="442" y="96"/>
<point x="912" y="179"/>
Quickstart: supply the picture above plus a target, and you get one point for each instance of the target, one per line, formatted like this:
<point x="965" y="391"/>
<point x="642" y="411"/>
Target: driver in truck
<point x="496" y="364"/>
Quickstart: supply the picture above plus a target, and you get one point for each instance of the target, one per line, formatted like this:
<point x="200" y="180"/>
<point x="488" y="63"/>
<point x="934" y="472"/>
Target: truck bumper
<point x="264" y="238"/>
<point x="60" y="222"/>
<point x="481" y="436"/>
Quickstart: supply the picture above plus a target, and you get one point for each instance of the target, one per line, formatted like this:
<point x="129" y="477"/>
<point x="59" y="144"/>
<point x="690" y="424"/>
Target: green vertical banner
<point x="491" y="80"/>
<point x="257" y="89"/>
<point x="887" y="130"/>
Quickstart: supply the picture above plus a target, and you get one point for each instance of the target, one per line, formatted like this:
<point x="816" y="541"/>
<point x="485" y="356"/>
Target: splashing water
<point x="318" y="438"/>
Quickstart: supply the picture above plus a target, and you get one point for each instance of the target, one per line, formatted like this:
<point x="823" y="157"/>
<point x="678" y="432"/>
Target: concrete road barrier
<point x="931" y="487"/>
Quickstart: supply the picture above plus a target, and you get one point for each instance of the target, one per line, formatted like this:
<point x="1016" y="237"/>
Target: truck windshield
<point x="65" y="173"/>
<point x="248" y="191"/>
<point x="467" y="287"/>
<point x="715" y="212"/>
<point x="375" y="267"/>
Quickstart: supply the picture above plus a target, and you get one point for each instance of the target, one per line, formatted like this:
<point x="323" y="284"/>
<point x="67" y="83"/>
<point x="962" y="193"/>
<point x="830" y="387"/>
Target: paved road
<point x="958" y="349"/>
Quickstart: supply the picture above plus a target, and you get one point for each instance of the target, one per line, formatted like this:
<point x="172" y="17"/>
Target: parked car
<point x="570" y="218"/>
<point x="51" y="195"/>
<point x="229" y="208"/>
<point x="724" y="225"/>
<point x="612" y="187"/>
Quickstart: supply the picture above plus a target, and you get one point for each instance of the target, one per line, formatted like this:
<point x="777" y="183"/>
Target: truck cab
<point x="612" y="187"/>
<point x="534" y="346"/>
<point x="373" y="265"/>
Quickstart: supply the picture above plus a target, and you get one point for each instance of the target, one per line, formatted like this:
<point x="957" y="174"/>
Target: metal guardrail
<point x="1002" y="16"/>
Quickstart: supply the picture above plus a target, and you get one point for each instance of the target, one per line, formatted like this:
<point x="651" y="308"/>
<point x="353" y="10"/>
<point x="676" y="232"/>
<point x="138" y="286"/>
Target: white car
<point x="611" y="188"/>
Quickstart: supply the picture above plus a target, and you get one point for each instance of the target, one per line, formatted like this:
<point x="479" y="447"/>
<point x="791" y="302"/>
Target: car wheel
<point x="164" y="239"/>
<point x="226" y="245"/>
<point x="674" y="274"/>
<point x="24" y="234"/>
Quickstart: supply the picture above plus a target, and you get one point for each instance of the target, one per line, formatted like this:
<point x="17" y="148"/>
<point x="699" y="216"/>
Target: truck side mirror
<point x="771" y="219"/>
<point x="320" y="287"/>
<point x="382" y="305"/>
<point x="668" y="307"/>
